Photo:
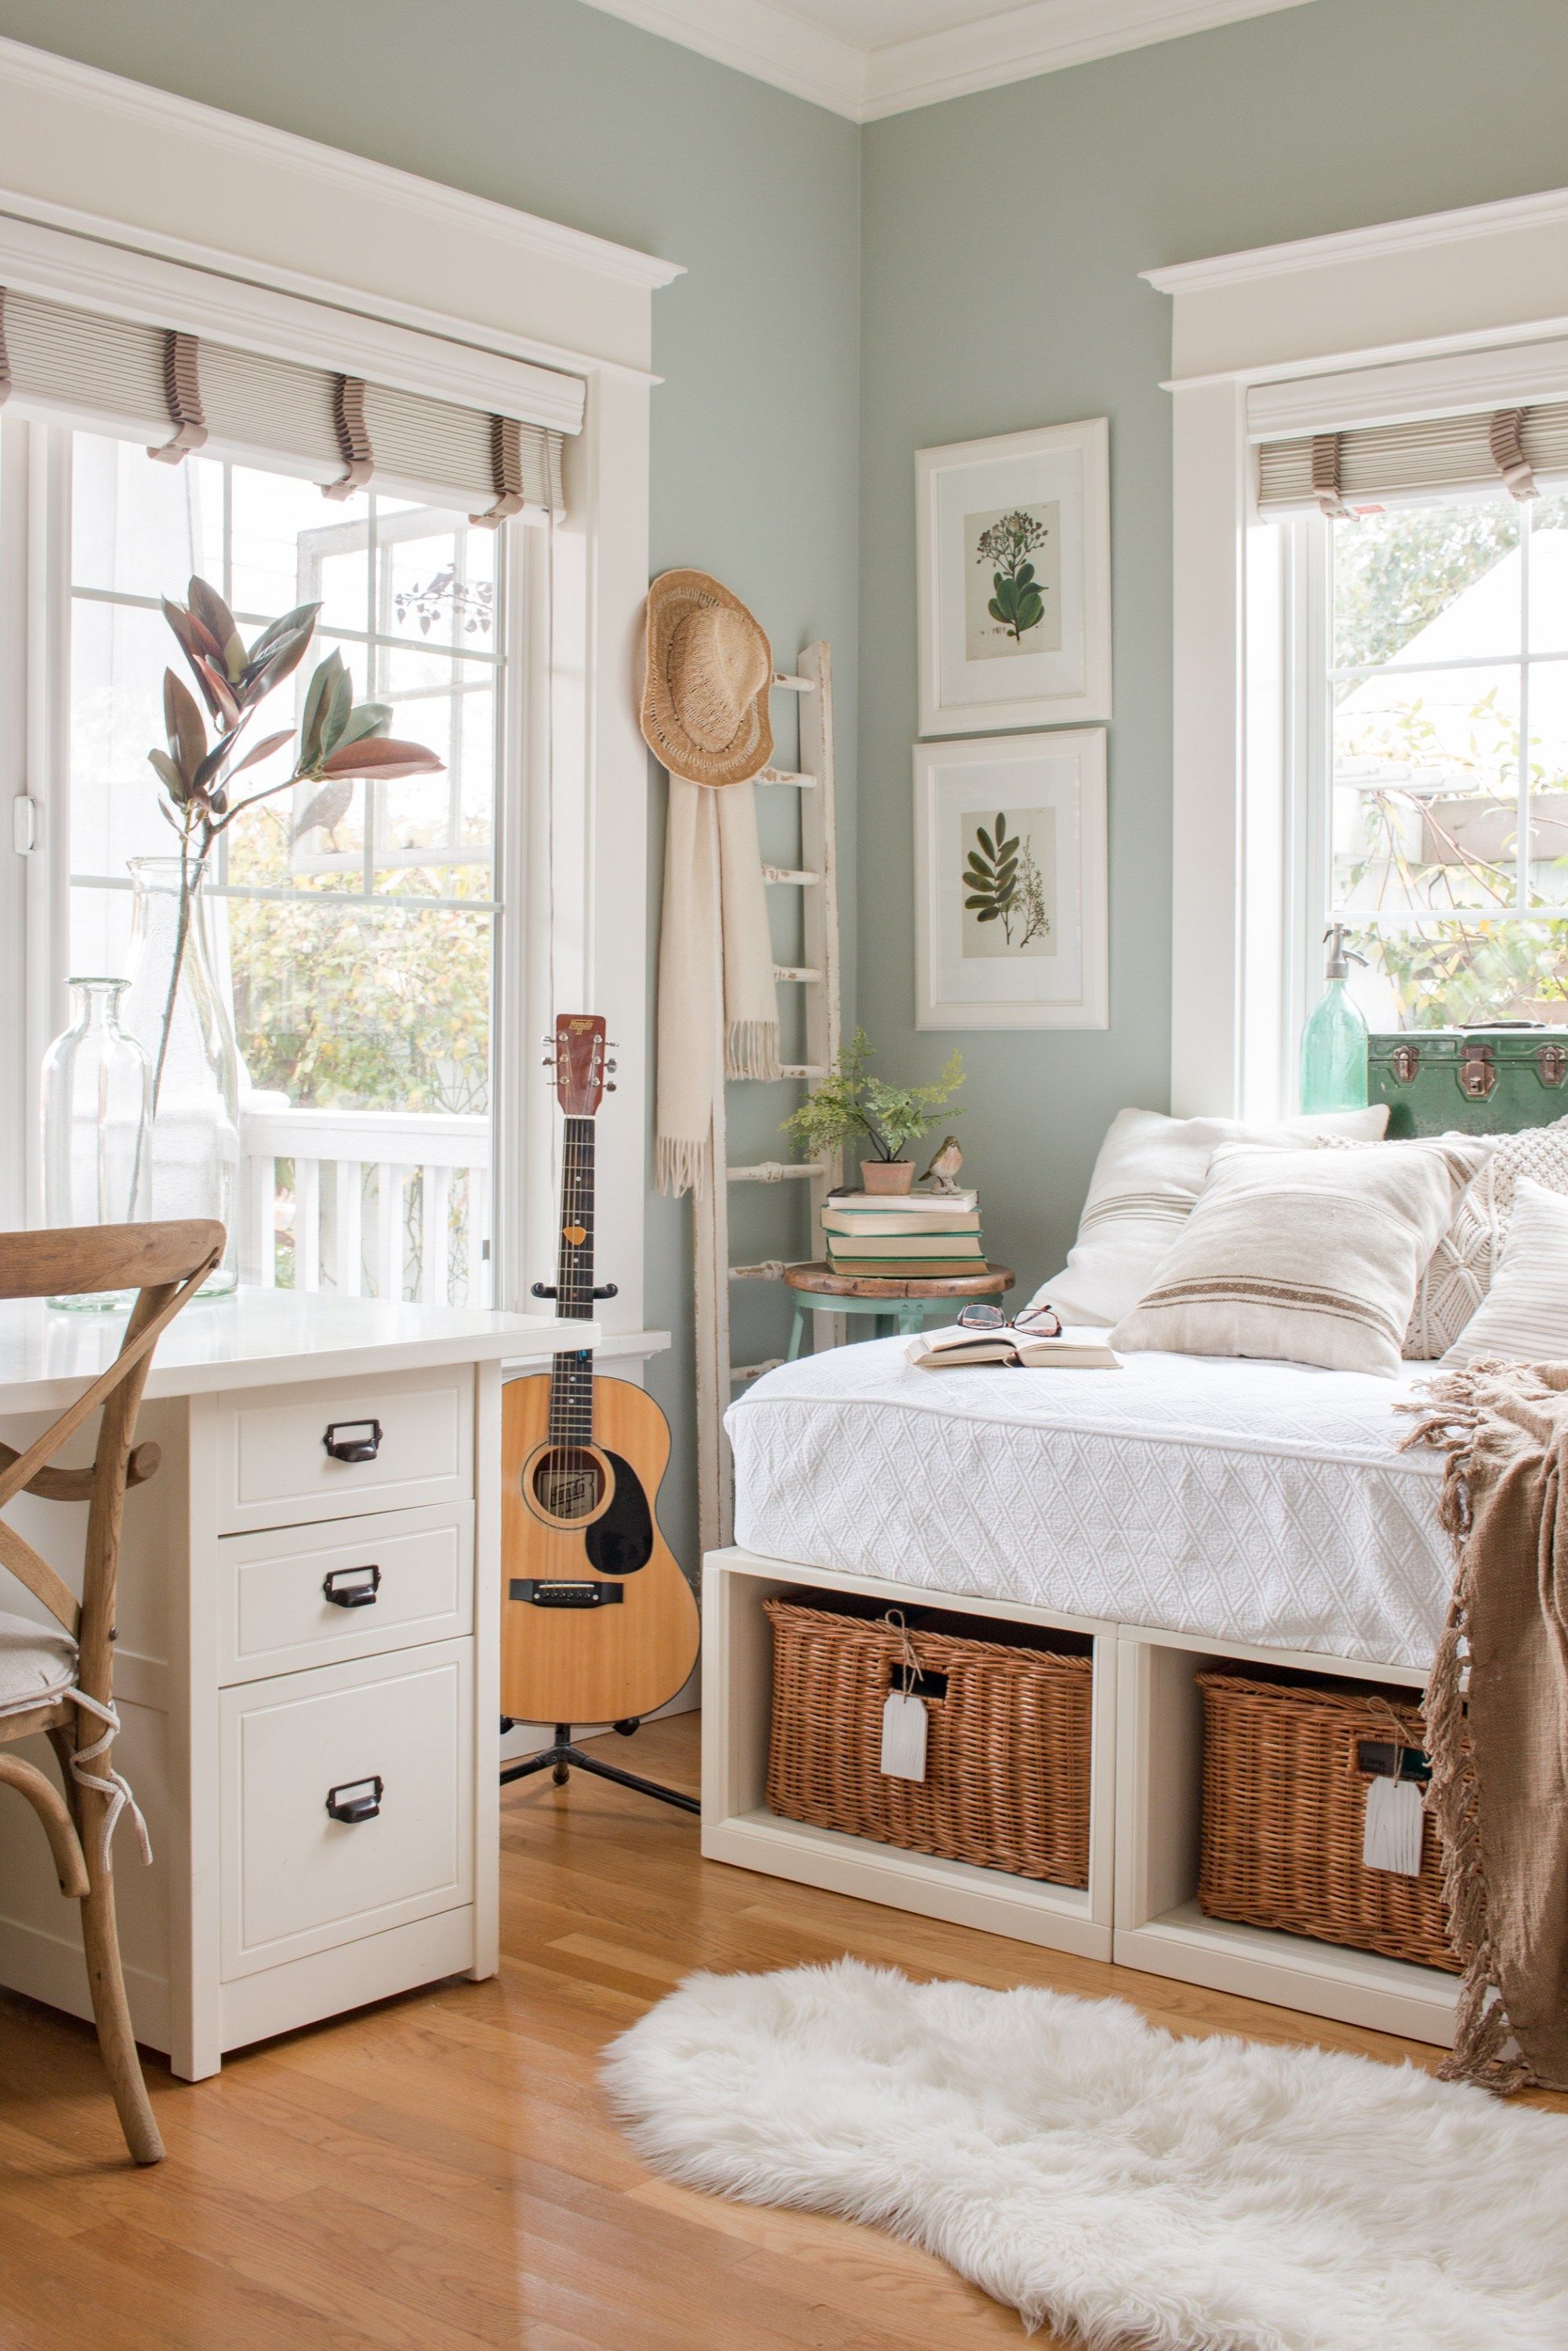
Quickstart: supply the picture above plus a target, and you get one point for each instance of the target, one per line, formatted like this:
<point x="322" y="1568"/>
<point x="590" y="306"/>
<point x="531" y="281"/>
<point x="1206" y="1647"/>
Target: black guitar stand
<point x="559" y="1760"/>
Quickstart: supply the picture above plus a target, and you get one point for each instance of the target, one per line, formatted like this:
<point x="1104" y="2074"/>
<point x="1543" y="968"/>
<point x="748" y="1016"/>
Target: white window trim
<point x="453" y="295"/>
<point x="1405" y="318"/>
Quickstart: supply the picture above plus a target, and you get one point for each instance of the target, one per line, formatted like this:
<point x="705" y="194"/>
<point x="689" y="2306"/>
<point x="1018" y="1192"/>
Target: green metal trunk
<point x="1479" y="1081"/>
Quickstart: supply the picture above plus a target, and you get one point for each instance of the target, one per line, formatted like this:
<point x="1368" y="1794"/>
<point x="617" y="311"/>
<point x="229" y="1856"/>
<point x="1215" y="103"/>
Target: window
<point x="357" y="921"/>
<point x="1432" y="737"/>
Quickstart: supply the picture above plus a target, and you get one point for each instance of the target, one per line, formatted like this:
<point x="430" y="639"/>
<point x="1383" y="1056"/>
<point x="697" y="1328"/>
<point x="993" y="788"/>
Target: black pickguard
<point x="621" y="1542"/>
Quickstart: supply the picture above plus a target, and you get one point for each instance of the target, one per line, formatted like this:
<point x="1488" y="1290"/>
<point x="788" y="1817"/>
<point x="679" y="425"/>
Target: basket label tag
<point x="1391" y="1837"/>
<point x="903" y="1737"/>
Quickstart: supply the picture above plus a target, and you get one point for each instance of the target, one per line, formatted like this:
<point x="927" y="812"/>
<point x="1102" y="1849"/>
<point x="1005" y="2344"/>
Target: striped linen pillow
<point x="1524" y="1318"/>
<point x="1304" y="1257"/>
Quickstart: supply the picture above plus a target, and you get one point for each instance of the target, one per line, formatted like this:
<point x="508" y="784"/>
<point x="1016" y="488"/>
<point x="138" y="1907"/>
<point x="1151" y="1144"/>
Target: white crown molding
<point x="773" y="45"/>
<point x="757" y="38"/>
<point x="153" y="110"/>
<point x="1381" y="241"/>
<point x="1042" y="38"/>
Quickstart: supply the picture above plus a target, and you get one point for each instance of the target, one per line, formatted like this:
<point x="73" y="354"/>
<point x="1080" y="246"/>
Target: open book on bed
<point x="1030" y="1351"/>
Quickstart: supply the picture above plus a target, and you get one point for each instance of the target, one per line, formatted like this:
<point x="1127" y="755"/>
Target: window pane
<point x="1438" y="582"/>
<point x="119" y="652"/>
<point x="141" y="528"/>
<point x="292" y="545"/>
<point x="1426" y="780"/>
<point x="438" y="587"/>
<point x="1548" y="781"/>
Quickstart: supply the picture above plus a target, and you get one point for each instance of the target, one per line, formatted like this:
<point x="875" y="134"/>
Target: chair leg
<point x="58" y="1824"/>
<point x="111" y="2013"/>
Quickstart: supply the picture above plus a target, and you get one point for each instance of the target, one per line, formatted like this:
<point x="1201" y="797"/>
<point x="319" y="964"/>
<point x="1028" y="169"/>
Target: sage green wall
<point x="1002" y="238"/>
<point x="556" y="107"/>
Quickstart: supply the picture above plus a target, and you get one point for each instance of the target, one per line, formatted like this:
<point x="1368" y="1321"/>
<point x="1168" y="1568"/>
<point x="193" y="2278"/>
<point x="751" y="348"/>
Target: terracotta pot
<point x="887" y="1174"/>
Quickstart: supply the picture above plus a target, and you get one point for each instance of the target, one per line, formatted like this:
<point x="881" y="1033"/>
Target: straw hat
<point x="704" y="694"/>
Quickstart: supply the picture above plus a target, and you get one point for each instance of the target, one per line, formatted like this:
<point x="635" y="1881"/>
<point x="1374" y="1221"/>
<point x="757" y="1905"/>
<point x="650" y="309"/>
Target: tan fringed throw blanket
<point x="1500" y="1773"/>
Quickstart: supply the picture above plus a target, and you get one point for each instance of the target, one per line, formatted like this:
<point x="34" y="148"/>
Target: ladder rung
<point x="739" y="1371"/>
<point x="776" y="1171"/>
<point x="795" y="971"/>
<point x="770" y="1269"/>
<point x="803" y="783"/>
<point x="807" y="881"/>
<point x="793" y="684"/>
<point x="802" y="1070"/>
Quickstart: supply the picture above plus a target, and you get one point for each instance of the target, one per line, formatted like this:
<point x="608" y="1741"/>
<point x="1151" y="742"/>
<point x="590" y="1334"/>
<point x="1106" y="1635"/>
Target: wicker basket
<point x="1284" y="1806"/>
<point x="1006" y="1777"/>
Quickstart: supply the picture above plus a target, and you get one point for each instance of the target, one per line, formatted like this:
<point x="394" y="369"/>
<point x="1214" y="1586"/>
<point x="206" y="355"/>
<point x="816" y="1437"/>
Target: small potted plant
<point x="850" y="1104"/>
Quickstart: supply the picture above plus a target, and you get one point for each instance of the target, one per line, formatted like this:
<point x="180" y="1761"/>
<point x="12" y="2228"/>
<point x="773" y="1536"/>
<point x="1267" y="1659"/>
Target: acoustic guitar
<point x="598" y="1623"/>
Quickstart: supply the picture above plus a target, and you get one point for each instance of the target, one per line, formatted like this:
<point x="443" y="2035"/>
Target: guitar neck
<point x="571" y="1375"/>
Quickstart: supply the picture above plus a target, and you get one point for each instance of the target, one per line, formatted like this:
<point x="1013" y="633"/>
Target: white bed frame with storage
<point x="1140" y="1907"/>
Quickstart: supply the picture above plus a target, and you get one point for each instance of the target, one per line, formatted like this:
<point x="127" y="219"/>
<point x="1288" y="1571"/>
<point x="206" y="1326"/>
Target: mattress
<point x="1268" y="1503"/>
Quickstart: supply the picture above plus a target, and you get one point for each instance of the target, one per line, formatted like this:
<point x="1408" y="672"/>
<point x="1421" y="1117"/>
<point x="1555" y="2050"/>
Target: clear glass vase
<point x="184" y="1022"/>
<point x="98" y="1124"/>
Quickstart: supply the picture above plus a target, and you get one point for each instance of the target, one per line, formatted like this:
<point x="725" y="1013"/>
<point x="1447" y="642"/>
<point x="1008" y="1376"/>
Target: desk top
<point x="262" y="1338"/>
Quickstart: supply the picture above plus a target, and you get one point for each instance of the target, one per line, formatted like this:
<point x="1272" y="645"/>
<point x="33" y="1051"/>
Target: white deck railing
<point x="377" y="1204"/>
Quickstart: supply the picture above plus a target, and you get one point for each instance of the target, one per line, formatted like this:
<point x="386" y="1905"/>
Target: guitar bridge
<point x="542" y="1592"/>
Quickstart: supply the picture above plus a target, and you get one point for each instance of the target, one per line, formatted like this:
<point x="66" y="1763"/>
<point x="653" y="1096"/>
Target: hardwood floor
<point x="438" y="2173"/>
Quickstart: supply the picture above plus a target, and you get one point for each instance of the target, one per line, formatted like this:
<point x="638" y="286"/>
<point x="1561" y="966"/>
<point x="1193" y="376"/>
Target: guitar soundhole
<point x="568" y="1481"/>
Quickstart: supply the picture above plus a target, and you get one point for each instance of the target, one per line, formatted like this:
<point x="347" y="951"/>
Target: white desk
<point x="247" y="1691"/>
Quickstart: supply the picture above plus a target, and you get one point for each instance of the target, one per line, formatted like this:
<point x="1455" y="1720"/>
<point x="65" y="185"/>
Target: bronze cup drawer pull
<point x="356" y="1800"/>
<point x="352" y="1587"/>
<point x="353" y="1440"/>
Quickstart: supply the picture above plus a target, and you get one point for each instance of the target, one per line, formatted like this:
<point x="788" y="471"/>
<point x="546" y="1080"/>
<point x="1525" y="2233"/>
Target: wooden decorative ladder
<point x="816" y="877"/>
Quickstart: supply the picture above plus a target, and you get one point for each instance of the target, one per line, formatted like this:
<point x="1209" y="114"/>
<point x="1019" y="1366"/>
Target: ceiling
<point x="865" y="58"/>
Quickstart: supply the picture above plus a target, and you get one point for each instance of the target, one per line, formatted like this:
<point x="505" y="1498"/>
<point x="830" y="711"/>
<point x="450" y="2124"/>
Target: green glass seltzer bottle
<point x="1333" y="1042"/>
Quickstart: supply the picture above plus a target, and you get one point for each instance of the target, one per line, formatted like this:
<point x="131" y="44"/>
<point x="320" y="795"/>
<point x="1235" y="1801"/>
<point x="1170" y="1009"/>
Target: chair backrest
<point x="165" y="1264"/>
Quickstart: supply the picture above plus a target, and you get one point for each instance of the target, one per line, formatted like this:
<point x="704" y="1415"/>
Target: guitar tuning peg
<point x="609" y="1089"/>
<point x="612" y="1065"/>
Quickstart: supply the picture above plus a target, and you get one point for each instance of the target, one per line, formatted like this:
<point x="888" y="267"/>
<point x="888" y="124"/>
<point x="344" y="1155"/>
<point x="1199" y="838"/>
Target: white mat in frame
<point x="1010" y="889"/>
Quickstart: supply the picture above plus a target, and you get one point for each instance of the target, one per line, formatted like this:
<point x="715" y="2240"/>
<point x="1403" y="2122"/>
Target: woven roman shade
<point x="1512" y="448"/>
<point x="178" y="392"/>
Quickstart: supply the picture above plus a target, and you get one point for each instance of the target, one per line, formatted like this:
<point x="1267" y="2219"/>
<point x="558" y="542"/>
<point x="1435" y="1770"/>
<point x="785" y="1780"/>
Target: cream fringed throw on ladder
<point x="716" y="971"/>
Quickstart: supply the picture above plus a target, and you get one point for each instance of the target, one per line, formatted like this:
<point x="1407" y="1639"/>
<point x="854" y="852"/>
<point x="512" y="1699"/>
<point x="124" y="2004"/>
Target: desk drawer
<point x="274" y="1468"/>
<point x="316" y="1595"/>
<point x="295" y="1879"/>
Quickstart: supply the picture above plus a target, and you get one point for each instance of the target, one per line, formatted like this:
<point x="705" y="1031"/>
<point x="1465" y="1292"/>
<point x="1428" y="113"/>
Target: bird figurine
<point x="325" y="809"/>
<point x="942" y="1175"/>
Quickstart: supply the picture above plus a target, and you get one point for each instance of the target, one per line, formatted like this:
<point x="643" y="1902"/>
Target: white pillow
<point x="1464" y="1259"/>
<point x="1150" y="1170"/>
<point x="1523" y="1317"/>
<point x="1304" y="1257"/>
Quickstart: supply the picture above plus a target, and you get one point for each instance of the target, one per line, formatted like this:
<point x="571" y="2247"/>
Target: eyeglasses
<point x="1044" y="1322"/>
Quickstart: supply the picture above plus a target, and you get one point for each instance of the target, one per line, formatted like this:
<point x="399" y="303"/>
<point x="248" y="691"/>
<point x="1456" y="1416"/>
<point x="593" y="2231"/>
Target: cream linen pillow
<point x="1523" y="1317"/>
<point x="1150" y="1170"/>
<point x="1304" y="1257"/>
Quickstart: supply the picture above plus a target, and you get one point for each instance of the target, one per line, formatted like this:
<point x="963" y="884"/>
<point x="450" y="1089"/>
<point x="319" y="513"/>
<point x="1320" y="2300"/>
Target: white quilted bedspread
<point x="1265" y="1502"/>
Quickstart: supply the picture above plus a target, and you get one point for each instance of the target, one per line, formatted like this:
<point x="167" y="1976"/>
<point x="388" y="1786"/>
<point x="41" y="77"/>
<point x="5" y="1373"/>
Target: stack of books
<point x="903" y="1236"/>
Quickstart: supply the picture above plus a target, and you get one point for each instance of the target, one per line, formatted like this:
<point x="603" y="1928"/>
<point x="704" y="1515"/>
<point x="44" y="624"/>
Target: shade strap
<point x="183" y="393"/>
<point x="353" y="437"/>
<point x="1325" y="476"/>
<point x="506" y="463"/>
<point x="1508" y="452"/>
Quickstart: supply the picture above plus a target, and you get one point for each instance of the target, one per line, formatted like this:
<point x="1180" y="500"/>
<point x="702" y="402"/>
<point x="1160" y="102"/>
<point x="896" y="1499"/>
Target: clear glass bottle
<point x="184" y="1023"/>
<point x="98" y="1122"/>
<point x="1333" y="1042"/>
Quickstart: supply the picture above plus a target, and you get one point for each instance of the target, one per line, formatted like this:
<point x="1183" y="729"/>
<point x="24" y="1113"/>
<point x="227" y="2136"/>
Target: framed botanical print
<point x="1014" y="562"/>
<point x="1010" y="881"/>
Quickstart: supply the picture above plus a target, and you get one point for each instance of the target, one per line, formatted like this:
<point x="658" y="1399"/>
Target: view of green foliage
<point x="343" y="1006"/>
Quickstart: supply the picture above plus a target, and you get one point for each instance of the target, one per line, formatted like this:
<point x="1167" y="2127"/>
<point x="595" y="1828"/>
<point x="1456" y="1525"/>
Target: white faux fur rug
<point x="1097" y="2173"/>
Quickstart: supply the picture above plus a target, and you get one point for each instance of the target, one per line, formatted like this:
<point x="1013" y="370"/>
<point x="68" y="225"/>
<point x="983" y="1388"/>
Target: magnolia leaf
<point x="303" y="616"/>
<point x="339" y="702"/>
<point x="278" y="652"/>
<point x="216" y="690"/>
<point x="184" y="726"/>
<point x="215" y="617"/>
<point x="168" y="776"/>
<point x="194" y="640"/>
<point x="379" y="756"/>
<point x="366" y="719"/>
<point x="317" y="697"/>
<point x="265" y="750"/>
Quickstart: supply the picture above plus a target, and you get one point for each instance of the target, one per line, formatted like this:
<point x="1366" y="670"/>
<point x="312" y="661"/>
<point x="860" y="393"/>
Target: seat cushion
<point x="37" y="1665"/>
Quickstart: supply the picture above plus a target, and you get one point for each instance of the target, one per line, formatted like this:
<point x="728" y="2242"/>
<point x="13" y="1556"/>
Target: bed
<point x="1259" y="1502"/>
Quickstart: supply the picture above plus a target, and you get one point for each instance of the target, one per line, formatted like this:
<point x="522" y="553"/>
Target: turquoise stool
<point x="897" y="1308"/>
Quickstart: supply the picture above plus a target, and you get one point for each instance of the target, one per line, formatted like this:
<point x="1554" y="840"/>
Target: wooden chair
<point x="62" y="1683"/>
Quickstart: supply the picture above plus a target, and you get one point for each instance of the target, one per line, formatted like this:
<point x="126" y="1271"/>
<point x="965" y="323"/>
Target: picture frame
<point x="1011" y="924"/>
<point x="1013" y="558"/>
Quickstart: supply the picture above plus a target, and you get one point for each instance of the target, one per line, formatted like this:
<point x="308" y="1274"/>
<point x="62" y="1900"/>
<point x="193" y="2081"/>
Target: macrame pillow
<point x="1462" y="1265"/>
